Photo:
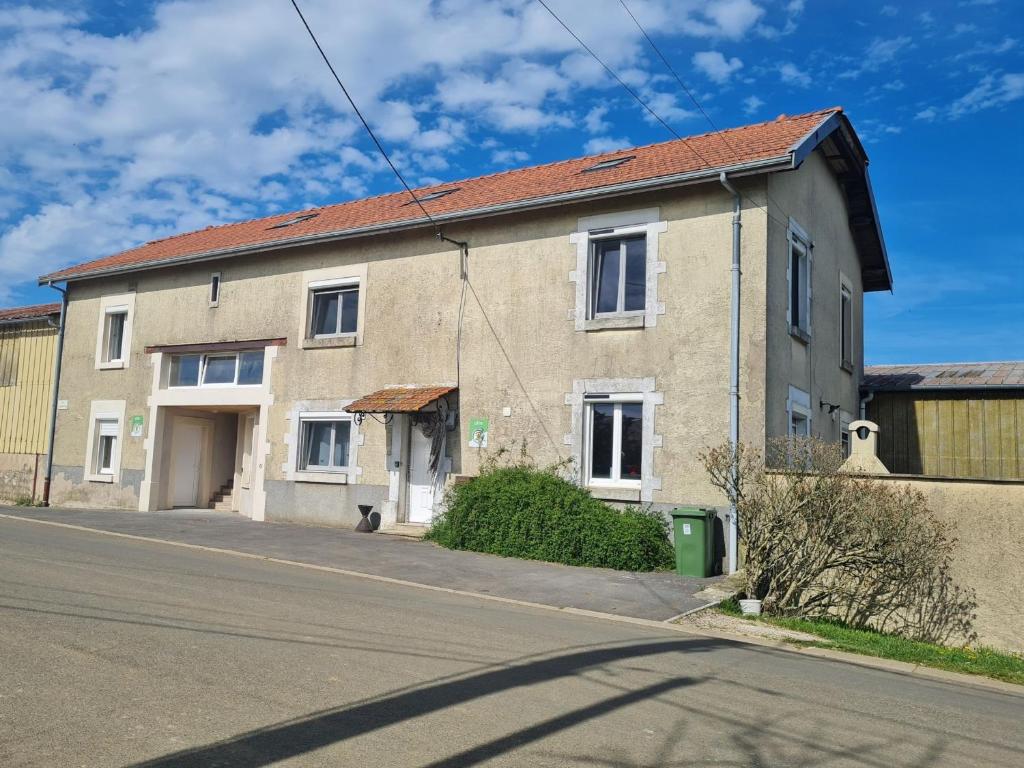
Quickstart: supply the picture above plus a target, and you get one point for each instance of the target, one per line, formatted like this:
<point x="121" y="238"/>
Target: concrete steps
<point x="406" y="530"/>
<point x="223" y="498"/>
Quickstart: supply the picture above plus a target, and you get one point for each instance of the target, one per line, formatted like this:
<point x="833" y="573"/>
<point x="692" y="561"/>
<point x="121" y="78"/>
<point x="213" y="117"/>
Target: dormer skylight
<point x="433" y="195"/>
<point x="613" y="162"/>
<point x="294" y="220"/>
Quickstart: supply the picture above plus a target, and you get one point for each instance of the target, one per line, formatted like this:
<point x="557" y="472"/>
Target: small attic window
<point x="294" y="220"/>
<point x="433" y="195"/>
<point x="614" y="162"/>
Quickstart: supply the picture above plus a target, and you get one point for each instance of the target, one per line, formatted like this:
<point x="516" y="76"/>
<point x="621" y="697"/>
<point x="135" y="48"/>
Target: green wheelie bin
<point x="694" y="534"/>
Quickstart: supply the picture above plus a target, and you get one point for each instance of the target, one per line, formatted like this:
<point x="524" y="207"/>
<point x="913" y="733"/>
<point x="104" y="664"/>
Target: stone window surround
<point x="647" y="221"/>
<point x="322" y="278"/>
<point x="576" y="439"/>
<point x="293" y="439"/>
<point x="104" y="409"/>
<point x="108" y="304"/>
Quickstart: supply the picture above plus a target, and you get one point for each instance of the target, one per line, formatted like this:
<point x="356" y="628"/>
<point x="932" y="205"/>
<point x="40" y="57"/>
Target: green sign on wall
<point x="135" y="426"/>
<point x="478" y="429"/>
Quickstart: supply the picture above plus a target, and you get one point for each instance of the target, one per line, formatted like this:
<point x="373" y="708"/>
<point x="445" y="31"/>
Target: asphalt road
<point x="116" y="652"/>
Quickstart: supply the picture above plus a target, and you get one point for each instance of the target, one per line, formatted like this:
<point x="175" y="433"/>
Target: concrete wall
<point x="521" y="349"/>
<point x="990" y="559"/>
<point x="814" y="200"/>
<point x="21" y="475"/>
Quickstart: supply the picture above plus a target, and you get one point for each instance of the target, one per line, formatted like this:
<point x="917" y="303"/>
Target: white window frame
<point x="112" y="305"/>
<point x="845" y="441"/>
<point x="798" y="239"/>
<point x="799" y="403"/>
<point x="106" y="428"/>
<point x="590" y="229"/>
<point x="216" y="283"/>
<point x="330" y="277"/>
<point x="617" y="399"/>
<point x="104" y="412"/>
<point x="204" y="358"/>
<point x="845" y="294"/>
<point x="333" y="286"/>
<point x="620" y="234"/>
<point x="311" y="417"/>
<point x="328" y="410"/>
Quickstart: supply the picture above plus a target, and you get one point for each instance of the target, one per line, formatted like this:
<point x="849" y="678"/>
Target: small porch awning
<point x="399" y="400"/>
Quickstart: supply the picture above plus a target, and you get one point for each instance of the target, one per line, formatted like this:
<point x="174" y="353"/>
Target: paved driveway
<point x="657" y="596"/>
<point x="119" y="652"/>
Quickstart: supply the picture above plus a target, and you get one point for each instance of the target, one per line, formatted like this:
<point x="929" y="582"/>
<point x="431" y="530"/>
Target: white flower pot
<point x="750" y="607"/>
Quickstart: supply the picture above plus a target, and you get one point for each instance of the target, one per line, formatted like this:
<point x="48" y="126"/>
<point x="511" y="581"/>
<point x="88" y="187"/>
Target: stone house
<point x="292" y="367"/>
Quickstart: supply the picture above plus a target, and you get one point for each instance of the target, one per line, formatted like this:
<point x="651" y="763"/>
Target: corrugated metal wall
<point x="955" y="434"/>
<point x="26" y="368"/>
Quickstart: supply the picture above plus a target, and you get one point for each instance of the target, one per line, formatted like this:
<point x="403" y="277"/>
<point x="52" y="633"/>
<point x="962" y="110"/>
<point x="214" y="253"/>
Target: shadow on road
<point x="315" y="731"/>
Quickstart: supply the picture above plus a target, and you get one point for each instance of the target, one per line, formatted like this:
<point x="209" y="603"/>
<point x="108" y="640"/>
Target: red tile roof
<point x="740" y="146"/>
<point x="944" y="376"/>
<point x="398" y="400"/>
<point x="33" y="312"/>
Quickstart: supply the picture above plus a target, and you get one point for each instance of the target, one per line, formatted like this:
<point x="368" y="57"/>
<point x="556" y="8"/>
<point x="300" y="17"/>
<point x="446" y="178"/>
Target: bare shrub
<point x="821" y="543"/>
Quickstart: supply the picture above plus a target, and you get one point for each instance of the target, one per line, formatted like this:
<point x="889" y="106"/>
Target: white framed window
<point x="617" y="275"/>
<point x="617" y="270"/>
<point x="114" y="321"/>
<point x="215" y="289"/>
<point x="220" y="369"/>
<point x="105" y="438"/>
<point x="106" y="446"/>
<point x="325" y="442"/>
<point x="614" y="439"/>
<point x="334" y="310"/>
<point x="798" y="410"/>
<point x="799" y="274"/>
<point x="845" y="326"/>
<point x="114" y="332"/>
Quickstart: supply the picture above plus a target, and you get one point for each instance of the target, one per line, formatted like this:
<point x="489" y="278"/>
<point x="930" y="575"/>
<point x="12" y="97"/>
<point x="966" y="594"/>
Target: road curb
<point x="870" y="662"/>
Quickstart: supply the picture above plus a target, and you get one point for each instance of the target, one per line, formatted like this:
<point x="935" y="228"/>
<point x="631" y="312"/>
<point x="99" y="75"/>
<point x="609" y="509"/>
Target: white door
<point x="185" y="463"/>
<point x="420" y="498"/>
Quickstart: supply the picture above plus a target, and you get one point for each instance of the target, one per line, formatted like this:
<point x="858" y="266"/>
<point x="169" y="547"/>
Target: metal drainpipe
<point x="864" y="405"/>
<point x="55" y="393"/>
<point x="732" y="544"/>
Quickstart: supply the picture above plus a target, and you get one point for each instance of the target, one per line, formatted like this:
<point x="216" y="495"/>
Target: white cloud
<point x="178" y="124"/>
<point x="601" y="144"/>
<point x="991" y="91"/>
<point x="717" y="68"/>
<point x="509" y="156"/>
<point x="927" y="114"/>
<point x="594" y="120"/>
<point x="793" y="75"/>
<point x="752" y="104"/>
<point x="889" y="10"/>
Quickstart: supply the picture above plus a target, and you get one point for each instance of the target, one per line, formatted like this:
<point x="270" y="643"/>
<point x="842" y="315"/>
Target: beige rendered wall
<point x="990" y="559"/>
<point x="812" y="197"/>
<point x="520" y="347"/>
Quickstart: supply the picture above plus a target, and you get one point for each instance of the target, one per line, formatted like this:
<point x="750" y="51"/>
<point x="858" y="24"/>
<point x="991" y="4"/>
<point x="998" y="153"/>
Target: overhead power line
<point x="359" y="114"/>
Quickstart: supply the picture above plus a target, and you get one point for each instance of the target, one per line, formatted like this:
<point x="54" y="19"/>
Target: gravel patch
<point x="711" y="619"/>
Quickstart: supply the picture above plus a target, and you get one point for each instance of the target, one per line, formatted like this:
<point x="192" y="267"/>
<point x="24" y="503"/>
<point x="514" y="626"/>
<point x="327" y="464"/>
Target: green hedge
<point x="536" y="515"/>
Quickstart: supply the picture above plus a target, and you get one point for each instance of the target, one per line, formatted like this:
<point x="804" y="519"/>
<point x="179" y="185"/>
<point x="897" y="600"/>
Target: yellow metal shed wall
<point x="955" y="434"/>
<point x="24" y="404"/>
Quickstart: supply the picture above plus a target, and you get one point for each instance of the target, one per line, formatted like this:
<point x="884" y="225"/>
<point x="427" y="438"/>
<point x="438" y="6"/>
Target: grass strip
<point x="981" y="660"/>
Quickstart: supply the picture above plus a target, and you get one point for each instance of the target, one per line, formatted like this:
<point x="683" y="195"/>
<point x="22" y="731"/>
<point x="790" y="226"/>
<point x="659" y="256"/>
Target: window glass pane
<point x="636" y="273"/>
<point x="605" y="297"/>
<point x="325" y="313"/>
<point x="601" y="440"/>
<point x="115" y="335"/>
<point x="184" y="371"/>
<point x="342" y="430"/>
<point x="800" y="425"/>
<point x="632" y="441"/>
<point x="105" y="461"/>
<point x="349" y="310"/>
<point x="847" y="319"/>
<point x="220" y="370"/>
<point x="250" y="368"/>
<point x="215" y="288"/>
<point x="317" y="442"/>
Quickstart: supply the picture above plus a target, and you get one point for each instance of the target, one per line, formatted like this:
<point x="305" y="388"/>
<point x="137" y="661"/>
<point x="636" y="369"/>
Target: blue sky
<point x="124" y="121"/>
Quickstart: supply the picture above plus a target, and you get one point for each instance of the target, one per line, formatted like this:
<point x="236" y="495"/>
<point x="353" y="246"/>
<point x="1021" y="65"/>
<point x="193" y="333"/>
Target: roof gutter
<point x="780" y="163"/>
